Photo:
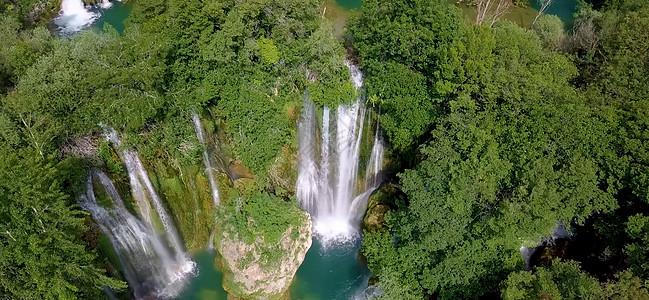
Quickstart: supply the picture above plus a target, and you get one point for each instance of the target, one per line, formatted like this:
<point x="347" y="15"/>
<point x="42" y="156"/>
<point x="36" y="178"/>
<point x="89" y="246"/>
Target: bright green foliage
<point x="19" y="49"/>
<point x="256" y="213"/>
<point x="614" y="73"/>
<point x="562" y="280"/>
<point x="417" y="54"/>
<point x="627" y="287"/>
<point x="329" y="82"/>
<point x="42" y="255"/>
<point x="511" y="157"/>
<point x="82" y="83"/>
<point x="391" y="287"/>
<point x="268" y="51"/>
<point x="249" y="59"/>
<point x="110" y="159"/>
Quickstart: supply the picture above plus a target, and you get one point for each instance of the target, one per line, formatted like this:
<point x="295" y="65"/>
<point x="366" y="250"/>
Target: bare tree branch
<point x="544" y="6"/>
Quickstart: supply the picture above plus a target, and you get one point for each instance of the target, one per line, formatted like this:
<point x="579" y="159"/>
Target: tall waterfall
<point x="144" y="195"/>
<point x="148" y="264"/>
<point x="74" y="16"/>
<point x="327" y="184"/>
<point x="206" y="158"/>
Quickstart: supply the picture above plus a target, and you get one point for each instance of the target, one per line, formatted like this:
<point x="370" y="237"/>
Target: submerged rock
<point x="261" y="270"/>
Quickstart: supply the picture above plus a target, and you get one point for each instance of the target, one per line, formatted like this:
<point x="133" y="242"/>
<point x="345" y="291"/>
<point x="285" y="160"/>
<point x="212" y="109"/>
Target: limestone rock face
<point x="260" y="270"/>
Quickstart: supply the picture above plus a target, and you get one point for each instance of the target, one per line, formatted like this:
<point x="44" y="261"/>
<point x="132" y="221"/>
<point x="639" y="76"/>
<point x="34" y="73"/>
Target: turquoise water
<point x="564" y="9"/>
<point x="334" y="273"/>
<point x="331" y="274"/>
<point x="207" y="285"/>
<point x="349" y="4"/>
<point x="114" y="16"/>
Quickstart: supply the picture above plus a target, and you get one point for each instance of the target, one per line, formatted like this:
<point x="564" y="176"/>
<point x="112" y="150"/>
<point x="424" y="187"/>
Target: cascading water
<point x="149" y="266"/>
<point x="206" y="158"/>
<point x="74" y="16"/>
<point x="105" y="4"/>
<point x="144" y="194"/>
<point x="327" y="183"/>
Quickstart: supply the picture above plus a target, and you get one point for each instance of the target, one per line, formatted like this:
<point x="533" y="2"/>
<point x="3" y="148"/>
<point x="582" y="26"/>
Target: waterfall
<point x="74" y="16"/>
<point x="148" y="265"/>
<point x="137" y="173"/>
<point x="206" y="158"/>
<point x="327" y="184"/>
<point x="105" y="4"/>
<point x="145" y="196"/>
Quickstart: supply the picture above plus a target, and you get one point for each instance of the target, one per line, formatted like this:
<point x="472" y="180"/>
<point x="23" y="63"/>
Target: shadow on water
<point x="207" y="285"/>
<point x="333" y="273"/>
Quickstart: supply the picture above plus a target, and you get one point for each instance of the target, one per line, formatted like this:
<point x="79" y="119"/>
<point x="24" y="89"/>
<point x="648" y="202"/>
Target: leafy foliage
<point x="42" y="253"/>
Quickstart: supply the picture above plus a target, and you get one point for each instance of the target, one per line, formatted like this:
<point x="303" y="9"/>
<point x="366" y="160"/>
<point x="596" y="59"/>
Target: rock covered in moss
<point x="261" y="270"/>
<point x="374" y="219"/>
<point x="378" y="205"/>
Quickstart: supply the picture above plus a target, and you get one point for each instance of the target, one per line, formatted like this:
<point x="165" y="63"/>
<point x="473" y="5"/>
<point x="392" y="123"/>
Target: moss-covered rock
<point x="377" y="206"/>
<point x="261" y="269"/>
<point x="374" y="219"/>
<point x="186" y="191"/>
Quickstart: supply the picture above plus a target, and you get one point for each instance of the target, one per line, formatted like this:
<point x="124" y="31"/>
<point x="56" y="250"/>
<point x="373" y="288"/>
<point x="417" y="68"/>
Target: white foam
<point x="74" y="16"/>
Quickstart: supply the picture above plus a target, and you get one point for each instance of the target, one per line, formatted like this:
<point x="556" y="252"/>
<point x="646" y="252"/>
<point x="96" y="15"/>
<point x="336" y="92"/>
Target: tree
<point x="562" y="280"/>
<point x="566" y="280"/>
<point x="550" y="30"/>
<point x="42" y="255"/>
<point x="638" y="250"/>
<point x="502" y="166"/>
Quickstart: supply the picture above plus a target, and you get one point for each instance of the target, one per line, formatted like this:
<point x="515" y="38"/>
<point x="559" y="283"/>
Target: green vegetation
<point x="496" y="133"/>
<point x="254" y="214"/>
<point x="42" y="253"/>
<point x="242" y="62"/>
<point x="513" y="130"/>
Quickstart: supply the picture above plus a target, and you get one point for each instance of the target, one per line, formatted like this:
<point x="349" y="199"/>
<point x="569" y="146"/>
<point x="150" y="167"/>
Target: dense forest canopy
<point x="497" y="134"/>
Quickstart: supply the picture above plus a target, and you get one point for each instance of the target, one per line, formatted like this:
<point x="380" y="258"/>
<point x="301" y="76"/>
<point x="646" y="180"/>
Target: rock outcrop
<point x="261" y="270"/>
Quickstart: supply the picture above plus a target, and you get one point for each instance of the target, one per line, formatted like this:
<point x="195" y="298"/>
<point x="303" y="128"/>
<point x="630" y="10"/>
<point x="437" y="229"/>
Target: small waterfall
<point x="149" y="266"/>
<point x="74" y="16"/>
<point x="327" y="185"/>
<point x="206" y="159"/>
<point x="372" y="178"/>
